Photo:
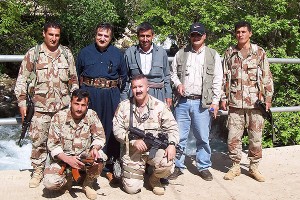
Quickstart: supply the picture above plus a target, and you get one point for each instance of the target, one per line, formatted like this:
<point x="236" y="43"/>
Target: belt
<point x="99" y="82"/>
<point x="194" y="97"/>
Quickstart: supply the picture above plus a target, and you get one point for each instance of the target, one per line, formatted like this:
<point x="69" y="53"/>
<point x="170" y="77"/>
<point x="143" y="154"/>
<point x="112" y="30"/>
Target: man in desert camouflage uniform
<point x="152" y="116"/>
<point x="50" y="68"/>
<point x="73" y="133"/>
<point x="247" y="78"/>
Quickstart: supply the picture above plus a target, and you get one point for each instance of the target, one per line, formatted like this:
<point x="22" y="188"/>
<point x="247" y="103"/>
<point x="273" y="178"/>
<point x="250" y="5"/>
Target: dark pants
<point x="105" y="102"/>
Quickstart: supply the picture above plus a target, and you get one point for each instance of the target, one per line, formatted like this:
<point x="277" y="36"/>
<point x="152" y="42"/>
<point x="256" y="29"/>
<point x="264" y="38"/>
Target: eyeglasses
<point x="196" y="35"/>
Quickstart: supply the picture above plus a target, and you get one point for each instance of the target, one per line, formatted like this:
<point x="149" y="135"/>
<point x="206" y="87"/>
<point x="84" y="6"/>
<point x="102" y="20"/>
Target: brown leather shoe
<point x="206" y="175"/>
<point x="175" y="174"/>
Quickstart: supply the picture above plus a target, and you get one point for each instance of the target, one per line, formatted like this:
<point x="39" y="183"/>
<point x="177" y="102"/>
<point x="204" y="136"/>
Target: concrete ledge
<point x="280" y="166"/>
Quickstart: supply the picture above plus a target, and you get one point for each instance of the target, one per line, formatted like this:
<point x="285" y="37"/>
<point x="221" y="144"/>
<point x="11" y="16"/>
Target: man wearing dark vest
<point x="197" y="76"/>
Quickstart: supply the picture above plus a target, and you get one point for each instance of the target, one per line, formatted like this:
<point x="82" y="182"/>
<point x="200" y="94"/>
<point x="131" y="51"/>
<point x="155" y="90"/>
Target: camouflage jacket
<point x="71" y="138"/>
<point x="155" y="118"/>
<point x="55" y="79"/>
<point x="244" y="79"/>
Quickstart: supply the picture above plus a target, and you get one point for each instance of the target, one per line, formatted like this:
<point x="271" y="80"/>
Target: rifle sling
<point x="131" y="114"/>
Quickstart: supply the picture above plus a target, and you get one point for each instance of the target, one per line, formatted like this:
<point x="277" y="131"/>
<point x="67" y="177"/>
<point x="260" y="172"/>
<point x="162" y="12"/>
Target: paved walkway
<point x="281" y="167"/>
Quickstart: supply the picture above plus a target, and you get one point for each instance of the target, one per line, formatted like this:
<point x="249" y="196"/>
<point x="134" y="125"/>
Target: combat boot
<point x="68" y="186"/>
<point x="234" y="171"/>
<point x="88" y="188"/>
<point x="36" y="177"/>
<point x="253" y="171"/>
<point x="157" y="188"/>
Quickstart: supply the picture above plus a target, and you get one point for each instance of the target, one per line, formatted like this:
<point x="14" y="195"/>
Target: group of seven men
<point x="141" y="79"/>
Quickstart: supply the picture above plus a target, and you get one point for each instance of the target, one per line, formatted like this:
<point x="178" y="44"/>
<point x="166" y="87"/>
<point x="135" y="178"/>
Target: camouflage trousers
<point x="38" y="133"/>
<point x="53" y="180"/>
<point x="133" y="168"/>
<point x="238" y="120"/>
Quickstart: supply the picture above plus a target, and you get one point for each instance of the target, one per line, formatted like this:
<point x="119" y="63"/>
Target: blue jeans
<point x="191" y="114"/>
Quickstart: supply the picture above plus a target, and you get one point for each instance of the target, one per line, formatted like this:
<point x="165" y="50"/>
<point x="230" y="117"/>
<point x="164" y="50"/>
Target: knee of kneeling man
<point x="132" y="186"/>
<point x="52" y="183"/>
<point x="131" y="190"/>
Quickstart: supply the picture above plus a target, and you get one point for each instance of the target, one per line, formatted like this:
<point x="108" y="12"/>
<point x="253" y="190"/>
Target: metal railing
<point x="17" y="120"/>
<point x="19" y="58"/>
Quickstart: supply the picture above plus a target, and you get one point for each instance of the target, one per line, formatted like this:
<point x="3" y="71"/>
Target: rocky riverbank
<point x="8" y="101"/>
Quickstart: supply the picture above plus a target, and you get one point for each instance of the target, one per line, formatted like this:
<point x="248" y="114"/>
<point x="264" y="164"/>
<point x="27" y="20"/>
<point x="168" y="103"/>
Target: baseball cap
<point x="197" y="27"/>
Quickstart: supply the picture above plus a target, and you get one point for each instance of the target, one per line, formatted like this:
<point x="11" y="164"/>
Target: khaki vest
<point x="208" y="72"/>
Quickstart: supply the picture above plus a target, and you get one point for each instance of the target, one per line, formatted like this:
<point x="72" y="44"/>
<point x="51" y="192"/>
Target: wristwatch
<point x="172" y="143"/>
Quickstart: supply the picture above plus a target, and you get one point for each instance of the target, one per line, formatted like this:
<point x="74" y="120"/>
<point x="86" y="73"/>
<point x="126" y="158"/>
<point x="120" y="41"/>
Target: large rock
<point x="8" y="101"/>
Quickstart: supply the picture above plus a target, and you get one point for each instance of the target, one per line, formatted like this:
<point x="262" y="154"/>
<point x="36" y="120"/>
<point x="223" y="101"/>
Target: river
<point x="13" y="157"/>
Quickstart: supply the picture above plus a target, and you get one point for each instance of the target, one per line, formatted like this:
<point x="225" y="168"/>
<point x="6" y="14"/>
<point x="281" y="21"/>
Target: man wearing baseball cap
<point x="197" y="76"/>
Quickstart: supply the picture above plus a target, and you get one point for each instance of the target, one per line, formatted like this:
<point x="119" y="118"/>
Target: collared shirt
<point x="155" y="118"/>
<point x="109" y="64"/>
<point x="56" y="78"/>
<point x="66" y="136"/>
<point x="246" y="77"/>
<point x="194" y="74"/>
<point x="146" y="60"/>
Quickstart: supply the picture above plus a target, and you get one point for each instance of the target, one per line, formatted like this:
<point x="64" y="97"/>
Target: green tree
<point x="79" y="19"/>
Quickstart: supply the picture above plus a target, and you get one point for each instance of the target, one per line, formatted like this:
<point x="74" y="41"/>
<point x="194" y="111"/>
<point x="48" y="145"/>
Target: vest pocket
<point x="134" y="69"/>
<point x="156" y="70"/>
<point x="42" y="73"/>
<point x="63" y="72"/>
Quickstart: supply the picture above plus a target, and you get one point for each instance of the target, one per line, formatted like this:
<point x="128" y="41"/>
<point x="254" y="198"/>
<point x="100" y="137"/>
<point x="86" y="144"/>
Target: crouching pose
<point x="148" y="133"/>
<point x="76" y="137"/>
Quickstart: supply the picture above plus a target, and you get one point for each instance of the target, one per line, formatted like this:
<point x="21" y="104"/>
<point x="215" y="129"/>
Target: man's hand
<point x="169" y="102"/>
<point x="74" y="162"/>
<point x="223" y="105"/>
<point x="95" y="152"/>
<point x="170" y="152"/>
<point x="214" y="109"/>
<point x="181" y="89"/>
<point x="268" y="106"/>
<point x="23" y="112"/>
<point x="140" y="145"/>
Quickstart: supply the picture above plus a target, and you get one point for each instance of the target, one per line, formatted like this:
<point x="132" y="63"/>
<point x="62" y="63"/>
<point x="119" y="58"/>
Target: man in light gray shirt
<point x="152" y="61"/>
<point x="197" y="75"/>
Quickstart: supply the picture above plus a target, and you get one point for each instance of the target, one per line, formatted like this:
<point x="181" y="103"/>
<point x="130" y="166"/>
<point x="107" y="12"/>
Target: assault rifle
<point x="153" y="143"/>
<point x="27" y="119"/>
<point x="267" y="114"/>
<point x="84" y="158"/>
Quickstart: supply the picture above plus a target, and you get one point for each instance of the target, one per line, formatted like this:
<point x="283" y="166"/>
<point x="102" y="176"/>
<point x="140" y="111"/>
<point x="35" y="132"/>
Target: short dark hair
<point x="51" y="25"/>
<point x="242" y="24"/>
<point x="145" y="26"/>
<point x="105" y="26"/>
<point x="138" y="77"/>
<point x="80" y="94"/>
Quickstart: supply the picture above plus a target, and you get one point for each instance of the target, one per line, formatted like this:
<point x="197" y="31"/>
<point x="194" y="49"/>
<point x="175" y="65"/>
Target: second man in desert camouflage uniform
<point x="247" y="78"/>
<point x="54" y="68"/>
<point x="73" y="133"/>
<point x="152" y="116"/>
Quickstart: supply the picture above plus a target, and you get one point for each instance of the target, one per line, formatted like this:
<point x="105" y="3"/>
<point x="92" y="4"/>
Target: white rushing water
<point x="13" y="157"/>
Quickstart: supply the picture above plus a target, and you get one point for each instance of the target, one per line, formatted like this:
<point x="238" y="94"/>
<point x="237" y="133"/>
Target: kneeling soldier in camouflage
<point x="74" y="135"/>
<point x="149" y="116"/>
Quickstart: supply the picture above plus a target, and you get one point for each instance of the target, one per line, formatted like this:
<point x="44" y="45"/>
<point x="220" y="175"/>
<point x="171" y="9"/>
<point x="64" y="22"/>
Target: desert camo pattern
<point x="247" y="77"/>
<point x="55" y="79"/>
<point x="71" y="138"/>
<point x="156" y="118"/>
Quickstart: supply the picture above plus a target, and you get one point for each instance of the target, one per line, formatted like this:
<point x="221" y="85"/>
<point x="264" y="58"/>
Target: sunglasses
<point x="196" y="35"/>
